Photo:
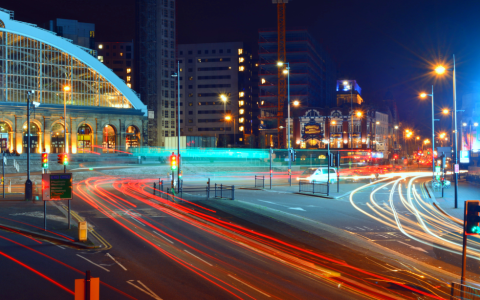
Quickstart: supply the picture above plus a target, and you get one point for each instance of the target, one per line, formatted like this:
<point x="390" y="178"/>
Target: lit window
<point x="256" y="65"/>
<point x="240" y="51"/>
<point x="100" y="46"/>
<point x="241" y="120"/>
<point x="129" y="78"/>
<point x="240" y="128"/>
<point x="121" y="53"/>
<point x="263" y="102"/>
<point x="241" y="59"/>
<point x="129" y="70"/>
<point x="190" y="78"/>
<point x="229" y="68"/>
<point x="241" y="69"/>
<point x="242" y="111"/>
<point x="242" y="94"/>
<point x="129" y="85"/>
<point x="100" y="58"/>
<point x="240" y="139"/>
<point x="240" y="103"/>
<point x="263" y="81"/>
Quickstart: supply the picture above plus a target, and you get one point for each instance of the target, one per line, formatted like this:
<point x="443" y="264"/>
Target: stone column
<point x="19" y="120"/>
<point x="122" y="136"/>
<point x="47" y="139"/>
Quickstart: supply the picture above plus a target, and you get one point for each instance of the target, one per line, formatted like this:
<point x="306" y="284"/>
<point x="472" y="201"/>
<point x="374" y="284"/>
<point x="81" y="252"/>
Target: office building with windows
<point x="217" y="92"/>
<point x="155" y="63"/>
<point x="312" y="78"/>
<point x="81" y="34"/>
<point x="118" y="56"/>
<point x="103" y="113"/>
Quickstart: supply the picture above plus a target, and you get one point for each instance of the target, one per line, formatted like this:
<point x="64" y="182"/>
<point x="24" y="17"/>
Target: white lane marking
<point x="149" y="290"/>
<point x="199" y="258"/>
<point x="117" y="262"/>
<point x="249" y="286"/>
<point x="133" y="218"/>
<point x="153" y="295"/>
<point x="60" y="247"/>
<point x="414" y="248"/>
<point x="93" y="263"/>
<point x="297" y="208"/>
<point x="163" y="237"/>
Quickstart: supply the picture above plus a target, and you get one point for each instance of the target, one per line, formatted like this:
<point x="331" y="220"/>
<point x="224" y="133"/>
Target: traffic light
<point x="472" y="207"/>
<point x="45" y="160"/>
<point x="62" y="159"/>
<point x="294" y="155"/>
<point x="181" y="174"/>
<point x="444" y="161"/>
<point x="173" y="162"/>
<point x="331" y="160"/>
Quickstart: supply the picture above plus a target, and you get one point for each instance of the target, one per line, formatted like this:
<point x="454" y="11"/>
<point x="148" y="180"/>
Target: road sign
<point x="457" y="168"/>
<point x="437" y="172"/>
<point x="57" y="186"/>
<point x="464" y="156"/>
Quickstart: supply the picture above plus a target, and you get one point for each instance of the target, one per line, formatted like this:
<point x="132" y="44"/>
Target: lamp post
<point x="423" y="95"/>
<point x="229" y="118"/>
<point x="287" y="71"/>
<point x="177" y="75"/>
<point x="441" y="70"/>
<point x="224" y="99"/>
<point x="65" y="131"/>
<point x="28" y="182"/>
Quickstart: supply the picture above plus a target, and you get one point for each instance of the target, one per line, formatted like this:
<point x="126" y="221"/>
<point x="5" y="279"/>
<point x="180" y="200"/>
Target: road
<point x="380" y="241"/>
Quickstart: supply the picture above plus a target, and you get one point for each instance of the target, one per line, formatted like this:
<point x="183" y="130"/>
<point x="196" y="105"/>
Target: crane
<point x="282" y="80"/>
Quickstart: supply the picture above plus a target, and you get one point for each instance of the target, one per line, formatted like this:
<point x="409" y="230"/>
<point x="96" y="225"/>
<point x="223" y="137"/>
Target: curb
<point x="46" y="237"/>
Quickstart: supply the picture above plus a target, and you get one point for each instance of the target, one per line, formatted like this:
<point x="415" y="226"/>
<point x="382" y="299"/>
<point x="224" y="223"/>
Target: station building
<point x="103" y="113"/>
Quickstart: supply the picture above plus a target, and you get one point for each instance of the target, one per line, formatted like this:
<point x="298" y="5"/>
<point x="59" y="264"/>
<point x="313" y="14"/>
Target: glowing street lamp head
<point x="359" y="113"/>
<point x="445" y="111"/>
<point x="423" y="95"/>
<point x="285" y="71"/>
<point x="296" y="103"/>
<point x="280" y="63"/>
<point x="66" y="88"/>
<point x="223" y="97"/>
<point x="440" y="69"/>
<point x="475" y="124"/>
<point x="418" y="137"/>
<point x="228" y="118"/>
<point x="345" y="82"/>
<point x="396" y="126"/>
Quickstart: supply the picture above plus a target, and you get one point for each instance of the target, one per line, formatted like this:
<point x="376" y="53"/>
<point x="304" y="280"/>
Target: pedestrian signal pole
<point x="470" y="227"/>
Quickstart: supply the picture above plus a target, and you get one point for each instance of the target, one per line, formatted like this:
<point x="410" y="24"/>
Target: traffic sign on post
<point x="457" y="168"/>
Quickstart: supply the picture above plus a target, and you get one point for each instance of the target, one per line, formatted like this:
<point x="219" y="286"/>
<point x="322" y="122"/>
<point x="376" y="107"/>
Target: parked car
<point x="318" y="175"/>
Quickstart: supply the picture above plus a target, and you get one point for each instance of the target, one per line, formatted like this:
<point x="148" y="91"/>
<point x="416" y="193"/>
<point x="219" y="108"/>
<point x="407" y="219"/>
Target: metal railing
<point x="469" y="293"/>
<point x="313" y="187"/>
<point x="260" y="181"/>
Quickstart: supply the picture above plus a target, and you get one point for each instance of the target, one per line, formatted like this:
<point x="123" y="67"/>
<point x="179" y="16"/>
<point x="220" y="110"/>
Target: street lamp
<point x="441" y="70"/>
<point x="424" y="95"/>
<point x="177" y="75"/>
<point x="296" y="103"/>
<point x="224" y="99"/>
<point x="287" y="72"/>
<point x="229" y="118"/>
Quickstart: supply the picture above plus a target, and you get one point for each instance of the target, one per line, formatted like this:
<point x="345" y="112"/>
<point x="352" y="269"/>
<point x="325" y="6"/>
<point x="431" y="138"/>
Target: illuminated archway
<point x="109" y="138"/>
<point x="58" y="138"/>
<point x="34" y="138"/>
<point x="84" y="138"/>
<point x="5" y="136"/>
<point x="132" y="137"/>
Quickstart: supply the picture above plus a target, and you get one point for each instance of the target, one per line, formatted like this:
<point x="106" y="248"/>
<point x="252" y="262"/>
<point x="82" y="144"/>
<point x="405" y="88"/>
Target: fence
<point x="260" y="181"/>
<point x="469" y="293"/>
<point x="314" y="187"/>
<point x="195" y="193"/>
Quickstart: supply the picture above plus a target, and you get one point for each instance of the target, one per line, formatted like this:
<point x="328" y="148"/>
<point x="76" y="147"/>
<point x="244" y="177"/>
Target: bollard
<point x="154" y="187"/>
<point x="233" y="192"/>
<point x="221" y="190"/>
<point x="82" y="231"/>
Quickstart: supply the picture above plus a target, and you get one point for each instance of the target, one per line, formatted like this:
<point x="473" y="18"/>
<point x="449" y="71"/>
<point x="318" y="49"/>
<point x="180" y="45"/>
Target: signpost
<point x="56" y="187"/>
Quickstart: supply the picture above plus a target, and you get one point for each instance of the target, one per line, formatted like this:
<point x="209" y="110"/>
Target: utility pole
<point x="28" y="183"/>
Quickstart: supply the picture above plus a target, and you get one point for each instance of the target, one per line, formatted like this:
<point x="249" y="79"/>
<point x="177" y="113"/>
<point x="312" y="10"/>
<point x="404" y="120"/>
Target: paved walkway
<point x="27" y="218"/>
<point x="466" y="191"/>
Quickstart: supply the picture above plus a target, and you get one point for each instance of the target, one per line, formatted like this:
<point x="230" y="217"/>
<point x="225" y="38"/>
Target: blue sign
<point x="377" y="154"/>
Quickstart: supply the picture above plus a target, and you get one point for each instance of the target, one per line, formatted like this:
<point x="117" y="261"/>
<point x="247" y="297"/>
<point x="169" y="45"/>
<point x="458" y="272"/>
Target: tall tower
<point x="155" y="56"/>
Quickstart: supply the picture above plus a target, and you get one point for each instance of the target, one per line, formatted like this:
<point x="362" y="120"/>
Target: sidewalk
<point x="27" y="218"/>
<point x="344" y="189"/>
<point x="466" y="191"/>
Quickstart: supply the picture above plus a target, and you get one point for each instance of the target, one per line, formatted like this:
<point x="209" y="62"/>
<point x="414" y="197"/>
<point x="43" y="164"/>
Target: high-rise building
<point x="118" y="56"/>
<point x="81" y="34"/>
<point x="312" y="78"/>
<point x="217" y="92"/>
<point x="155" y="63"/>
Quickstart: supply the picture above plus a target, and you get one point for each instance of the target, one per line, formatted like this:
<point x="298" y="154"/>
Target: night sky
<point x="384" y="45"/>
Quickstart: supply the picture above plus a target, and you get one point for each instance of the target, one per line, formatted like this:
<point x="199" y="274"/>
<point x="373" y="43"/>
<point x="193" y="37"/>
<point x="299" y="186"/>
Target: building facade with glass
<point x="103" y="113"/>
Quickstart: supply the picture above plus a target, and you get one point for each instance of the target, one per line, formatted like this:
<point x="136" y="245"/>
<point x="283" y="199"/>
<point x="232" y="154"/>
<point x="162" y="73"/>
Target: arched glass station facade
<point x="101" y="108"/>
